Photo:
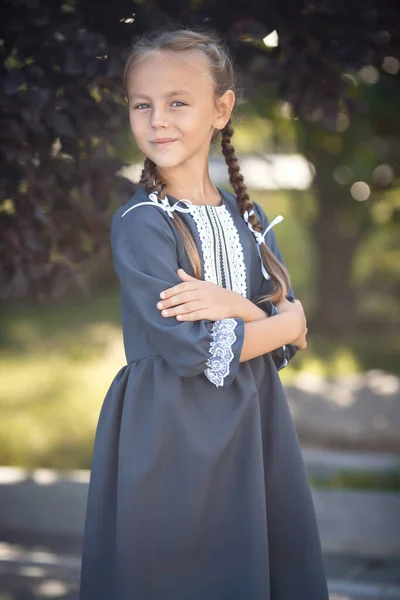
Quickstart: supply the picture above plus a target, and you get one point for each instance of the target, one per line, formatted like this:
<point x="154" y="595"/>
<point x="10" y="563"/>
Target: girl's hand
<point x="194" y="299"/>
<point x="296" y="307"/>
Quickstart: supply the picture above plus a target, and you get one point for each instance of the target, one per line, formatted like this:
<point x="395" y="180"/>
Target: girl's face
<point x="172" y="110"/>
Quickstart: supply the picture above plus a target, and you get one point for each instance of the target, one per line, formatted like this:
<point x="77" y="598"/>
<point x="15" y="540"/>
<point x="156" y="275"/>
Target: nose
<point x="158" y="119"/>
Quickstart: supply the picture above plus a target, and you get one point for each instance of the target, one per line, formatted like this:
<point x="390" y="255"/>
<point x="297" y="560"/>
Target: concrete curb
<point x="362" y="590"/>
<point x="329" y="462"/>
<point x="50" y="503"/>
<point x="43" y="501"/>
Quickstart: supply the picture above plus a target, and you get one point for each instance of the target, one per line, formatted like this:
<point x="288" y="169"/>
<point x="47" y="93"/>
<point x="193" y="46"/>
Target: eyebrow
<point x="168" y="95"/>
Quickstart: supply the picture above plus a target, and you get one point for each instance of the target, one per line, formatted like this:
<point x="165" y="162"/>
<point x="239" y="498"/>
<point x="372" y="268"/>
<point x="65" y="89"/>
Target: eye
<point x="179" y="102"/>
<point x="140" y="106"/>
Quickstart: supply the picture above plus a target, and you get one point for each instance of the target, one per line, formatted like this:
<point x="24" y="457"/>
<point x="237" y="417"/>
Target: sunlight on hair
<point x="272" y="39"/>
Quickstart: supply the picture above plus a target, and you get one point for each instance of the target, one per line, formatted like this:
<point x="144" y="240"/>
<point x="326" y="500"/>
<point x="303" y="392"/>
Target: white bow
<point x="260" y="236"/>
<point x="164" y="204"/>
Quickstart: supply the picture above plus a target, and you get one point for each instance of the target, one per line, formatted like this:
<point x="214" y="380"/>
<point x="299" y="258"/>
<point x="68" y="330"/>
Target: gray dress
<point x="198" y="489"/>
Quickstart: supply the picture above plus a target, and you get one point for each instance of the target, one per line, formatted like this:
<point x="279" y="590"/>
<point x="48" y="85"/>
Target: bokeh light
<point x="369" y="74"/>
<point x="383" y="175"/>
<point x="360" y="191"/>
<point x="391" y="65"/>
<point x="343" y="174"/>
<point x="272" y="39"/>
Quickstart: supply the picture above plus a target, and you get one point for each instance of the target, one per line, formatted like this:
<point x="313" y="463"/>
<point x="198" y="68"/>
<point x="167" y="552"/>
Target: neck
<point x="190" y="181"/>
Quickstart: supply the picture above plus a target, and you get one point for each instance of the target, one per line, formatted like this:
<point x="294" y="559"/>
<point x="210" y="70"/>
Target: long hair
<point x="223" y="75"/>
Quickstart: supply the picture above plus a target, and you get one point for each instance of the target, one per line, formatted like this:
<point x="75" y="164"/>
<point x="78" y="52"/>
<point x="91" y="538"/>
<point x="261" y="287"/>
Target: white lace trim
<point x="221" y="353"/>
<point x="235" y="253"/>
<point x="207" y="242"/>
<point x="221" y="245"/>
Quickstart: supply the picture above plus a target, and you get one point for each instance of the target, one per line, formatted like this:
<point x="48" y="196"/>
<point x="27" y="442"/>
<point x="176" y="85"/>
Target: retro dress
<point x="198" y="489"/>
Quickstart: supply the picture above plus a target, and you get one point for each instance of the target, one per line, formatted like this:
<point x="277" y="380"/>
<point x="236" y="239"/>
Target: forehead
<point x="163" y="71"/>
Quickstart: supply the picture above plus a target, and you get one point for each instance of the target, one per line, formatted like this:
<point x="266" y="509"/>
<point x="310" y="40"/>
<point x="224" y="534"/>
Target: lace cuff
<point x="225" y="349"/>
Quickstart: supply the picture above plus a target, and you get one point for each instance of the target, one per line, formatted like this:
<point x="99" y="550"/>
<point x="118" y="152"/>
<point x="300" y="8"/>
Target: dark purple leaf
<point x="63" y="125"/>
<point x="35" y="74"/>
<point x="40" y="21"/>
<point x="13" y="81"/>
<point x="32" y="4"/>
<point x="65" y="168"/>
<point x="72" y="65"/>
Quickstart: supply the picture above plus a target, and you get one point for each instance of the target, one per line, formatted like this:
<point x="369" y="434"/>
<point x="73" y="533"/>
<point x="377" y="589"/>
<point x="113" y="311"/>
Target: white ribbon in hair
<point x="260" y="236"/>
<point x="164" y="204"/>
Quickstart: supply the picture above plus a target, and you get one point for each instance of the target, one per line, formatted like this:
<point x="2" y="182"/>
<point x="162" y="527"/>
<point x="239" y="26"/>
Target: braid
<point x="278" y="273"/>
<point x="149" y="179"/>
<point x="235" y="176"/>
<point x="220" y="63"/>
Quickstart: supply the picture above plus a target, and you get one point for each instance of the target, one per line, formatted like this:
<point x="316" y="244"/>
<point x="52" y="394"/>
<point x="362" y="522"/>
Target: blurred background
<point x="317" y="132"/>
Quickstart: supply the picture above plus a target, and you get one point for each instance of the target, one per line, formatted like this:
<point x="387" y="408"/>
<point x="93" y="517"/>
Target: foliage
<point x="61" y="110"/>
<point x="321" y="44"/>
<point x="62" y="107"/>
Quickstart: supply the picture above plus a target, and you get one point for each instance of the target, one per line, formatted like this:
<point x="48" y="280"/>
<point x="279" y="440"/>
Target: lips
<point x="163" y="142"/>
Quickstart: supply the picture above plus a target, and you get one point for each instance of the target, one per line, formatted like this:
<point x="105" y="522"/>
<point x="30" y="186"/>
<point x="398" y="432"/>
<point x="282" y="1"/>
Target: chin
<point x="166" y="162"/>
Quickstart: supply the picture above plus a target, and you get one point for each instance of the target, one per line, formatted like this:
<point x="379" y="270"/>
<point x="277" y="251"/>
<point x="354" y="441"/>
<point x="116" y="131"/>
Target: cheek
<point x="197" y="123"/>
<point x="133" y="122"/>
<point x="138" y="127"/>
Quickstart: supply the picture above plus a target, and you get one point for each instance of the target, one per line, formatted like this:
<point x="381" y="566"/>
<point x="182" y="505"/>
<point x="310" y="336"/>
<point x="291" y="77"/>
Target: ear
<point x="225" y="104"/>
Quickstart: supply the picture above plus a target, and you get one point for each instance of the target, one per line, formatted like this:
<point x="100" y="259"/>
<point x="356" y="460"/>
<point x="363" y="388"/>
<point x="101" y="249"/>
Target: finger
<point x="176" y="289"/>
<point x="182" y="309"/>
<point x="185" y="276"/>
<point x="181" y="298"/>
<point x="195" y="315"/>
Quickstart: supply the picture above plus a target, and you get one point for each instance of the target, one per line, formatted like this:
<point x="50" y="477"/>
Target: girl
<point x="198" y="490"/>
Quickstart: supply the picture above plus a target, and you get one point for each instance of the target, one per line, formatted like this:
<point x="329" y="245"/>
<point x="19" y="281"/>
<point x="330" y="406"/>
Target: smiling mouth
<point x="163" y="142"/>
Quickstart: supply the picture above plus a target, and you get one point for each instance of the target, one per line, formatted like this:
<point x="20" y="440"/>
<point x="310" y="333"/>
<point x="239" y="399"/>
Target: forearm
<point x="267" y="334"/>
<point x="247" y="310"/>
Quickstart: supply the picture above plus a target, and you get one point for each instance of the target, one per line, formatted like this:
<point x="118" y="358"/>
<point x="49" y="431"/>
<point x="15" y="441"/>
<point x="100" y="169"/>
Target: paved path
<point x="358" y="522"/>
<point x="37" y="572"/>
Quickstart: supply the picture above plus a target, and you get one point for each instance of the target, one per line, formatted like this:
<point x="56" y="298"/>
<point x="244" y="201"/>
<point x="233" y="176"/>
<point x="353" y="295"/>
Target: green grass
<point x="385" y="481"/>
<point x="58" y="359"/>
<point x="57" y="362"/>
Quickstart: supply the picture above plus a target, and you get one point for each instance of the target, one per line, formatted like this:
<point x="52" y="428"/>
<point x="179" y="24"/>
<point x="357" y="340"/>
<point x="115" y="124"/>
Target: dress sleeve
<point x="145" y="258"/>
<point x="283" y="355"/>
